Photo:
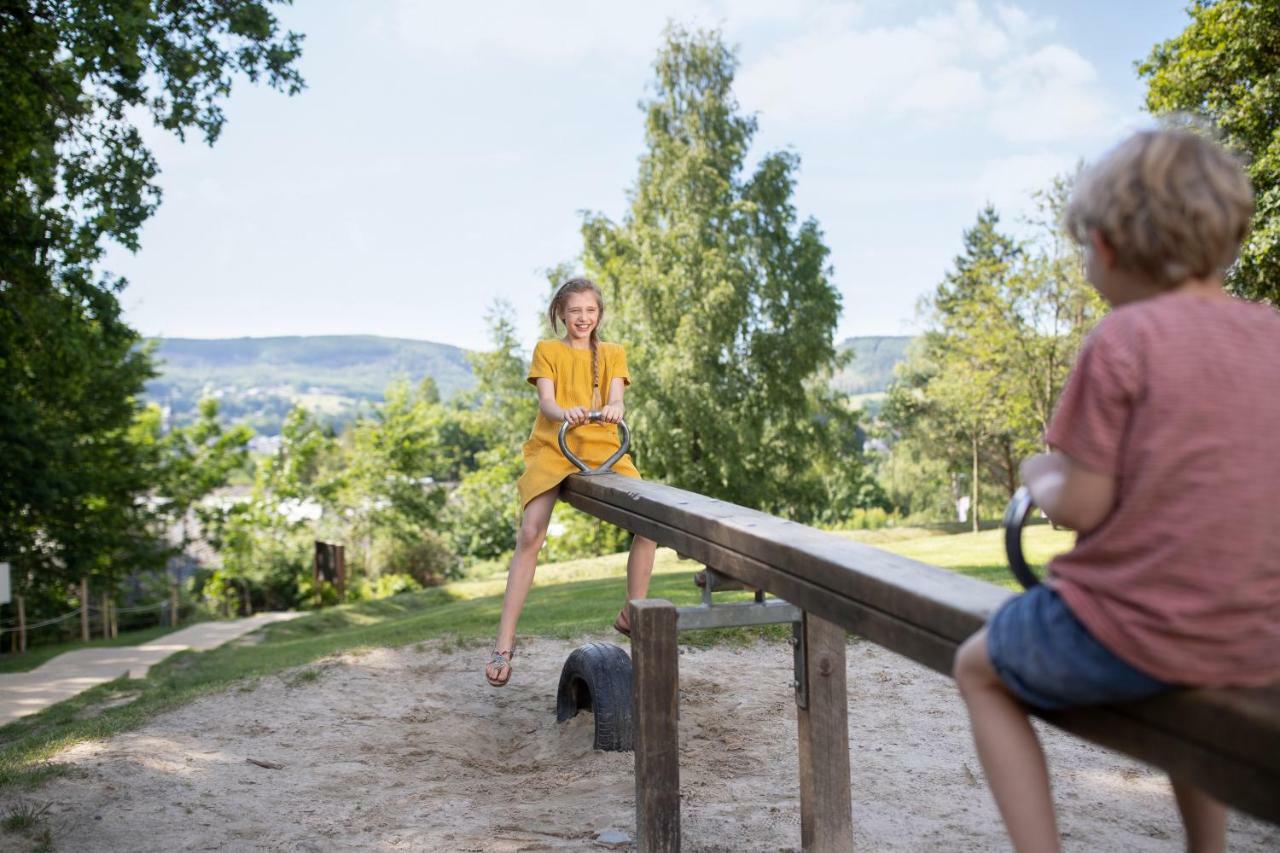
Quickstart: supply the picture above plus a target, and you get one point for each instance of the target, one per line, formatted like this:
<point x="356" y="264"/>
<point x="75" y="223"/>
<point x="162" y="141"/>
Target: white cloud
<point x="962" y="65"/>
<point x="1008" y="182"/>
<point x="559" y="33"/>
<point x="1050" y="94"/>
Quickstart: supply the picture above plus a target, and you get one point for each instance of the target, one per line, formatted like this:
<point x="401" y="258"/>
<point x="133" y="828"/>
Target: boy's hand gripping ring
<point x="623" y="446"/>
<point x="1015" y="518"/>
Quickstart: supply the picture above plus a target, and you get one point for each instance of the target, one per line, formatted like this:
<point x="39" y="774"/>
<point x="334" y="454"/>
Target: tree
<point x="977" y="391"/>
<point x="265" y="542"/>
<point x="951" y="394"/>
<point x="391" y="492"/>
<point x="483" y="512"/>
<point x="1225" y="66"/>
<point x="722" y="297"/>
<point x="74" y="173"/>
<point x="195" y="460"/>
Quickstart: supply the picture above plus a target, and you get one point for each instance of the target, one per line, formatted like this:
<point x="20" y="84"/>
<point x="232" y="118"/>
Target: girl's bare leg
<point x="529" y="539"/>
<point x="1203" y="818"/>
<point x="640" y="566"/>
<point x="639" y="569"/>
<point x="1008" y="749"/>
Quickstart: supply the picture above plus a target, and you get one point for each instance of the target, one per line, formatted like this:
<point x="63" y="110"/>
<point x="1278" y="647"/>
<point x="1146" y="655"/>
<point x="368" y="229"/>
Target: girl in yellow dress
<point x="573" y="375"/>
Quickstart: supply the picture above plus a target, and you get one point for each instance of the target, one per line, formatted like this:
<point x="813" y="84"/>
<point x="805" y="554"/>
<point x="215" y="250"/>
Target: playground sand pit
<point x="409" y="749"/>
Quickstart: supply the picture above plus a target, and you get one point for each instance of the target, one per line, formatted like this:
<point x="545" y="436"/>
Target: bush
<point x="420" y="555"/>
<point x="869" y="519"/>
<point x="394" y="583"/>
<point x="576" y="534"/>
<point x="483" y="512"/>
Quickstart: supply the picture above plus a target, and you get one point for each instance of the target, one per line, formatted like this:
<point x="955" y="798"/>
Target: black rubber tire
<point x="597" y="678"/>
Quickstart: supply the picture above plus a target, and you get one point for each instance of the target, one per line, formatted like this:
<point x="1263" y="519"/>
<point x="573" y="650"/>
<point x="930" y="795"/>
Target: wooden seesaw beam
<point x="1226" y="741"/>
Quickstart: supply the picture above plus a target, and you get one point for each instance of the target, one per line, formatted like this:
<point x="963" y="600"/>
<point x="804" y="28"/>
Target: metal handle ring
<point x="624" y="444"/>
<point x="1015" y="518"/>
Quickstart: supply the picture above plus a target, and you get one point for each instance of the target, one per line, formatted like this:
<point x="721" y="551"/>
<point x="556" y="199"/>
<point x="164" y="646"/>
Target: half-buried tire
<point x="597" y="678"/>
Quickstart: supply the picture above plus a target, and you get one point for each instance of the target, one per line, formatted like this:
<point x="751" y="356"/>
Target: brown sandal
<point x="500" y="660"/>
<point x="622" y="624"/>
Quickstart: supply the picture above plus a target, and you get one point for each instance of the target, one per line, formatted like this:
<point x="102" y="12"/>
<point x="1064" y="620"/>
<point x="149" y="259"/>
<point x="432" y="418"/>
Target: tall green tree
<point x="75" y="174"/>
<point x="1225" y="66"/>
<point x="951" y="394"/>
<point x="722" y="296"/>
<point x="977" y="391"/>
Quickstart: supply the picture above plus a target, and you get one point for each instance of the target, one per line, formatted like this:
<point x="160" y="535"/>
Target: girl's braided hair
<point x="554" y="315"/>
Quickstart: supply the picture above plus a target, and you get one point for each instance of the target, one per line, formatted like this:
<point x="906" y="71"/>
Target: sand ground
<point x="409" y="749"/>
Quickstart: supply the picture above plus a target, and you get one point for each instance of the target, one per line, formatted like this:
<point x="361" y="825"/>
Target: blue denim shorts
<point x="1046" y="657"/>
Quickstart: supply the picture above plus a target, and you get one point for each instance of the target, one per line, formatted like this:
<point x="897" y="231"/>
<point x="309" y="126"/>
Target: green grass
<point x="40" y="654"/>
<point x="568" y="601"/>
<point x="978" y="555"/>
<point x="29" y="819"/>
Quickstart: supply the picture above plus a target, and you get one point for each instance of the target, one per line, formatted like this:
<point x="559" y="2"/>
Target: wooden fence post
<point x="173" y="604"/>
<point x="826" y="808"/>
<point x="655" y="709"/>
<point x="22" y="626"/>
<point x="84" y="609"/>
<point x="106" y="616"/>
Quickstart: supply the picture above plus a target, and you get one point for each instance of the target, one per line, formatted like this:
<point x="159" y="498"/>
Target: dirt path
<point x="72" y="673"/>
<point x="409" y="749"/>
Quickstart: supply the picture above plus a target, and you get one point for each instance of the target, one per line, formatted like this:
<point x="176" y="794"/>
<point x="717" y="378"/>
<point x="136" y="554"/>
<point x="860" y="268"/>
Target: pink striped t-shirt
<point x="1178" y="398"/>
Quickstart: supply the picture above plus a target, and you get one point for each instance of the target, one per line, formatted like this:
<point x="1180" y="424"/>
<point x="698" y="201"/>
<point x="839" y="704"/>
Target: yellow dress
<point x="570" y="369"/>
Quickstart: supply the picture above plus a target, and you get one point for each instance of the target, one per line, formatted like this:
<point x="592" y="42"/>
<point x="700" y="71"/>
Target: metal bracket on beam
<point x="760" y="612"/>
<point x="801" y="681"/>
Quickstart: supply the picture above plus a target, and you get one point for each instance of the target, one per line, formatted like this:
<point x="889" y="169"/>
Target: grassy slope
<point x="570" y="600"/>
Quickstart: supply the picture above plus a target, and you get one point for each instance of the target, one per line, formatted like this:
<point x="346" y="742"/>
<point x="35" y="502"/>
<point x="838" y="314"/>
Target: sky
<point x="442" y="155"/>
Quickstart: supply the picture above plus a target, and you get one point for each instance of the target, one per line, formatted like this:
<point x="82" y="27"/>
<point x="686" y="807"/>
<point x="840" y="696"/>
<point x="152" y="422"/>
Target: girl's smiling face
<point x="580" y="316"/>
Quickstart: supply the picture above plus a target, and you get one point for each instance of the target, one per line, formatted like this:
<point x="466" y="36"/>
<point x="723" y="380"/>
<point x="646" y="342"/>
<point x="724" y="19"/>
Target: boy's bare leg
<point x="1009" y="751"/>
<point x="1204" y="818"/>
<point x="529" y="539"/>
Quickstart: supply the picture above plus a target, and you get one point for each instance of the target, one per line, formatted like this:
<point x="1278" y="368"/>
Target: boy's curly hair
<point x="1171" y="203"/>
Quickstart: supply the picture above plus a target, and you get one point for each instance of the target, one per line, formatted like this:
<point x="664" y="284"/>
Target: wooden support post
<point x="106" y="616"/>
<point x="655" y="709"/>
<point x="115" y="621"/>
<point x="84" y="609"/>
<point x="22" y="625"/>
<point x="826" y="808"/>
<point x="173" y="604"/>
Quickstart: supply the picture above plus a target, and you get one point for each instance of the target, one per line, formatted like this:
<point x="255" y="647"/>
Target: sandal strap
<point x="497" y="659"/>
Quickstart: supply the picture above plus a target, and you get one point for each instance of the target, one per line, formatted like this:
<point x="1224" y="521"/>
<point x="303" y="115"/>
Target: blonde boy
<point x="1164" y="460"/>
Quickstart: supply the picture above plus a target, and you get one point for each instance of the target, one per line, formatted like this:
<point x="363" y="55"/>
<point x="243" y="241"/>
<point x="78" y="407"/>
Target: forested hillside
<point x="257" y="380"/>
<point x="874" y="359"/>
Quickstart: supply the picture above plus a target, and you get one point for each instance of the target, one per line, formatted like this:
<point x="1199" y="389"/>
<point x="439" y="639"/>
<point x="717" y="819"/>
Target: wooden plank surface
<point x="655" y="710"/>
<point x="826" y="807"/>
<point x="1229" y="740"/>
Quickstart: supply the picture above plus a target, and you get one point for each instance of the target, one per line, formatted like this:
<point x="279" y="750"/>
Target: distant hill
<point x="257" y="380"/>
<point x="874" y="358"/>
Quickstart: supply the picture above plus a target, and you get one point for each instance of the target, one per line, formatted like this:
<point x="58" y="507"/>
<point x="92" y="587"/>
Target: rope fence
<point x="105" y="615"/>
<point x="46" y="622"/>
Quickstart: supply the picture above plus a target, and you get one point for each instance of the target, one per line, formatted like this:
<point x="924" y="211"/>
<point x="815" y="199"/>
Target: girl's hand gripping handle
<point x="624" y="444"/>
